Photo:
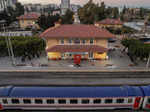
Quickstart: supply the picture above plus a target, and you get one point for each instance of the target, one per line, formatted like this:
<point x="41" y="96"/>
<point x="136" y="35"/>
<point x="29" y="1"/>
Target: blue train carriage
<point x="70" y="98"/>
<point x="146" y="101"/>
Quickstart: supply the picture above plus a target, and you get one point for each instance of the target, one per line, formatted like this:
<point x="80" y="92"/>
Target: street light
<point x="8" y="43"/>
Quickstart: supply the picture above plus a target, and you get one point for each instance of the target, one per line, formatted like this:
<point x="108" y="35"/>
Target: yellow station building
<point x="65" y="41"/>
<point x="28" y="20"/>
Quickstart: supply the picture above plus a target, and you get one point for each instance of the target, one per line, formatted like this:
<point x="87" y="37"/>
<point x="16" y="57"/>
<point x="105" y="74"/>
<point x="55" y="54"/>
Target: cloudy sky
<point x="129" y="3"/>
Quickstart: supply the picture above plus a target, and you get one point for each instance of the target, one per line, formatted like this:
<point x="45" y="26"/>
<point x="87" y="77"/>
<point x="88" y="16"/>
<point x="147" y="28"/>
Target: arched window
<point x="91" y="41"/>
<point x="62" y="41"/>
<point x="77" y="41"/>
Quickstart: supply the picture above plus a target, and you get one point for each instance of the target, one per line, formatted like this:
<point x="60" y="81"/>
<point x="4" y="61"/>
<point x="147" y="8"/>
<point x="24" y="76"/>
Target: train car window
<point x="38" y="101"/>
<point x="4" y="101"/>
<point x="50" y="101"/>
<point x="15" y="101"/>
<point x="26" y="101"/>
<point x="148" y="100"/>
<point x="97" y="101"/>
<point x="120" y="101"/>
<point x="85" y="101"/>
<point x="130" y="100"/>
<point x="73" y="101"/>
<point x="62" y="101"/>
<point x="108" y="100"/>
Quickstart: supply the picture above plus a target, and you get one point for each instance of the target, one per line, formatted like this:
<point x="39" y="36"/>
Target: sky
<point x="128" y="3"/>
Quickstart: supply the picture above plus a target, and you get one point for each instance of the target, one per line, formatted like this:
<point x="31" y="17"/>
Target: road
<point x="65" y="78"/>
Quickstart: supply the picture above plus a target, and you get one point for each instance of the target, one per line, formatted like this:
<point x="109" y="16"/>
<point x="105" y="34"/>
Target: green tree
<point x="68" y="17"/>
<point x="115" y="12"/>
<point x="19" y="9"/>
<point x="89" y="12"/>
<point x="11" y="14"/>
<point x="47" y="21"/>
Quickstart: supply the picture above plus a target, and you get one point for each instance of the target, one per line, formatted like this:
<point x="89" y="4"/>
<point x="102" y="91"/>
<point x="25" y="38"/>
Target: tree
<point x="11" y="14"/>
<point x="47" y="21"/>
<point x="25" y="47"/>
<point x="91" y="12"/>
<point x="19" y="9"/>
<point x="68" y="17"/>
<point x="115" y="12"/>
<point x="136" y="48"/>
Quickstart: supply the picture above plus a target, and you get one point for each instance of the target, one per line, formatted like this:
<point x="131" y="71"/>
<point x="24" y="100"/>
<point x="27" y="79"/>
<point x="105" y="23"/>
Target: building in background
<point x="65" y="5"/>
<point x="29" y="20"/>
<point x="7" y="3"/>
<point x="113" y="23"/>
<point x="74" y="7"/>
<point x="39" y="8"/>
<point x="66" y="41"/>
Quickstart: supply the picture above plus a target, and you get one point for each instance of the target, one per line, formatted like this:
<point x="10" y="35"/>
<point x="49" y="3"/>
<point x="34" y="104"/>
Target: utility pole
<point x="147" y="65"/>
<point x="9" y="47"/>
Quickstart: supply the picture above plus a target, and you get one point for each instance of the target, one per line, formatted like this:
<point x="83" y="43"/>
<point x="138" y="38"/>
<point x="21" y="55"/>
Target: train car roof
<point x="72" y="92"/>
<point x="146" y="90"/>
<point x="4" y="91"/>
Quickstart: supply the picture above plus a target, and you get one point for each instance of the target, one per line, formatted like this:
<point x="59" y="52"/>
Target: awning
<point x="77" y="48"/>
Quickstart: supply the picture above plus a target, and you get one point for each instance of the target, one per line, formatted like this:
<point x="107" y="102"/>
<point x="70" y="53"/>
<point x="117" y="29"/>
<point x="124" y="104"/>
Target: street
<point x="70" y="78"/>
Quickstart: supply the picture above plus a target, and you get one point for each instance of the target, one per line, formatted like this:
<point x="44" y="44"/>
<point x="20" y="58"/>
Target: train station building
<point x="66" y="41"/>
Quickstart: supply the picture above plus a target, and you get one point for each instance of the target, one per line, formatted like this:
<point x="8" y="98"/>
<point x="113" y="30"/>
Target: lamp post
<point x="9" y="45"/>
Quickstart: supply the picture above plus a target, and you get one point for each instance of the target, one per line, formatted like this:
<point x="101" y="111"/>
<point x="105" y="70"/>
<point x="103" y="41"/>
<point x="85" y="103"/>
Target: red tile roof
<point x="76" y="31"/>
<point x="29" y="16"/>
<point x="77" y="48"/>
<point x="110" y="22"/>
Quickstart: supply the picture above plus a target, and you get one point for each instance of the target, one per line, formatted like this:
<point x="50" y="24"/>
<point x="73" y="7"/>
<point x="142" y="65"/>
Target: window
<point x="62" y="101"/>
<point x="91" y="41"/>
<point x="120" y="101"/>
<point x="62" y="41"/>
<point x="97" y="101"/>
<point x="130" y="100"/>
<point x="38" y="101"/>
<point x="26" y="101"/>
<point x="73" y="101"/>
<point x="50" y="101"/>
<point x="77" y="41"/>
<point x="90" y="55"/>
<point x="70" y="55"/>
<point x="5" y="101"/>
<point x="148" y="100"/>
<point x="15" y="101"/>
<point x="108" y="100"/>
<point x="70" y="41"/>
<point x="83" y="41"/>
<point x="85" y="101"/>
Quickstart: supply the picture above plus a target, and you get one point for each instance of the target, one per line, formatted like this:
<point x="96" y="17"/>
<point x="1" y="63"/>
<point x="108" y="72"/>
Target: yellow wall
<point x="100" y="56"/>
<point x="52" y="42"/>
<point x="57" y="55"/>
<point x="26" y="23"/>
<point x="104" y="26"/>
<point x="102" y="42"/>
<point x="54" y="55"/>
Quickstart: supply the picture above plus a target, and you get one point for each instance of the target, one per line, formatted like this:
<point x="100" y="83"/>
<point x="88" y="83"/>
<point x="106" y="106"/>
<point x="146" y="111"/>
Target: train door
<point x="137" y="102"/>
<point x="1" y="107"/>
<point x="77" y="59"/>
<point x="146" y="103"/>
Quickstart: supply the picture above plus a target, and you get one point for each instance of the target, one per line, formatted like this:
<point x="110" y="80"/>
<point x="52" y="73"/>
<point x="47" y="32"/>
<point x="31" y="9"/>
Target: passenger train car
<point x="74" y="98"/>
